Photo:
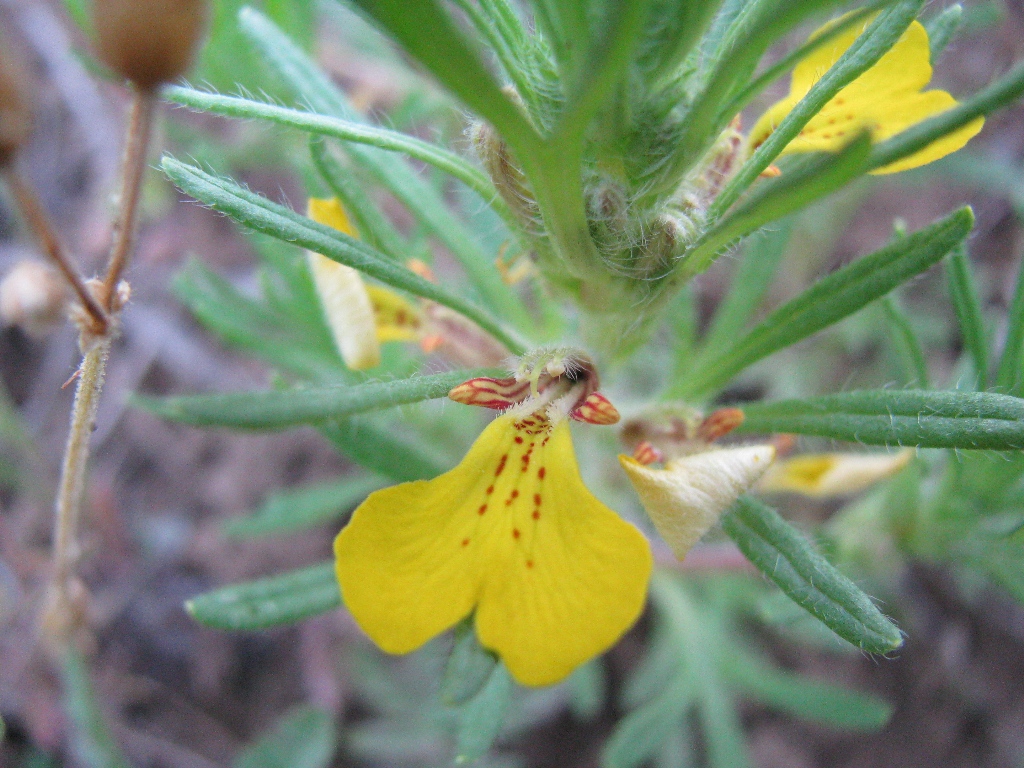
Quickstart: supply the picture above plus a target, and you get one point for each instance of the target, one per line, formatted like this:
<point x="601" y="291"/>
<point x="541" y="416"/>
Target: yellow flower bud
<point x="149" y="42"/>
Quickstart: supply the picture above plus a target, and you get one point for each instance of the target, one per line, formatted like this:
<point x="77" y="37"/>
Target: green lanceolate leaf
<point x="468" y="669"/>
<point x="290" y="407"/>
<point x="91" y="740"/>
<point x="908" y="346"/>
<point x="809" y="699"/>
<point x="831" y="299"/>
<point x="314" y="88"/>
<point x="640" y="734"/>
<point x="1011" y="363"/>
<point x="333" y="127"/>
<point x="375" y="446"/>
<point x="427" y="32"/>
<point x="482" y="717"/>
<point x="785" y="557"/>
<point x="371" y="225"/>
<point x="270" y="602"/>
<point x="297" y="510"/>
<point x="942" y="28"/>
<point x="967" y="306"/>
<point x="922" y="418"/>
<point x="266" y="216"/>
<point x="306" y="737"/>
<point x="805" y="180"/>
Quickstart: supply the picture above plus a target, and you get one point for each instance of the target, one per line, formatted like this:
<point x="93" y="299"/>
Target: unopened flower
<point x="823" y="475"/>
<point x="885" y="100"/>
<point x="698" y="482"/>
<point x="359" y="316"/>
<point x="554" y="576"/>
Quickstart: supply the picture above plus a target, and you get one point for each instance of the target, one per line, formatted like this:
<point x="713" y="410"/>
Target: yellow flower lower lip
<point x="885" y="100"/>
<point x="555" y="576"/>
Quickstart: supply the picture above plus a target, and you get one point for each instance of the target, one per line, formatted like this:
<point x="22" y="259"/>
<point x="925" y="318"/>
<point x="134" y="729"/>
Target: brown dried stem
<point x="39" y="222"/>
<point x="134" y="164"/>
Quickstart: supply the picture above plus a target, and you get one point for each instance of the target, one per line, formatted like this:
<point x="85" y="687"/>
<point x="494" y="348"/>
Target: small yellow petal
<point x="346" y="303"/>
<point x="687" y="497"/>
<point x="833" y="474"/>
<point x="885" y="100"/>
<point x="397" y="319"/>
<point x="556" y="576"/>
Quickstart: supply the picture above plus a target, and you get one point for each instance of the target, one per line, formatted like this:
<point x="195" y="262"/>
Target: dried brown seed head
<point x="149" y="42"/>
<point x="33" y="296"/>
<point x="15" y="110"/>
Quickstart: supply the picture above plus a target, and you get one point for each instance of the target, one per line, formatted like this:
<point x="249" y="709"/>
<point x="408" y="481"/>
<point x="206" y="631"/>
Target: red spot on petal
<point x="536" y="514"/>
<point x="483" y="508"/>
<point x="541" y="472"/>
<point x="529" y="563"/>
<point x="501" y="465"/>
<point x="536" y="499"/>
<point x="465" y="542"/>
<point x="490" y="490"/>
<point x="515" y="533"/>
<point x="519" y="439"/>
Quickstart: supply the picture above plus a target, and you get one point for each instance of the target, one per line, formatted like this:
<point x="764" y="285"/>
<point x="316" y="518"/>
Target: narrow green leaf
<point x="427" y="32"/>
<point x="785" y="557"/>
<point x="91" y="740"/>
<point x="831" y="299"/>
<point x="640" y="734"/>
<point x="1011" y="363"/>
<point x="907" y="344"/>
<point x="374" y="445"/>
<point x="723" y="731"/>
<point x="880" y="35"/>
<point x="762" y="253"/>
<point x="370" y="223"/>
<point x="314" y="88"/>
<point x="269" y="602"/>
<point x="1002" y="92"/>
<point x="284" y="408"/>
<point x="297" y="510"/>
<point x="942" y="28"/>
<point x="922" y="418"/>
<point x="673" y="30"/>
<point x="247" y="324"/>
<point x="306" y="737"/>
<point x="482" y="718"/>
<point x="795" y="56"/>
<point x="800" y="696"/>
<point x="345" y="130"/>
<point x="468" y="668"/>
<point x="263" y="215"/>
<point x="804" y="181"/>
<point x="967" y="306"/>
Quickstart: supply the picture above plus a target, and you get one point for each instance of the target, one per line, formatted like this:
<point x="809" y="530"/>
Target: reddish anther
<point x="719" y="423"/>
<point x="596" y="409"/>
<point x="497" y="394"/>
<point x="647" y="454"/>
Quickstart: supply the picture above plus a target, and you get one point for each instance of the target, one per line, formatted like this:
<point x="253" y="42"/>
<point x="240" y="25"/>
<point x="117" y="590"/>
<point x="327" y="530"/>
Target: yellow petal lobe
<point x="885" y="100"/>
<point x="833" y="474"/>
<point x="343" y="295"/>
<point x="556" y="577"/>
<point x="396" y="318"/>
<point x="686" y="498"/>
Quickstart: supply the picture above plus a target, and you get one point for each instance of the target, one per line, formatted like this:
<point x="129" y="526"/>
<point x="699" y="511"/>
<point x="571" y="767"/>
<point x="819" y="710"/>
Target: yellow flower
<point x="360" y="317"/>
<point x="686" y="498"/>
<point x="833" y="474"/>
<point x="884" y="100"/>
<point x="555" y="577"/>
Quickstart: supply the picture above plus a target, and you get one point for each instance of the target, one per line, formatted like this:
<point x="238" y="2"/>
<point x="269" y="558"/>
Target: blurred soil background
<point x="181" y="696"/>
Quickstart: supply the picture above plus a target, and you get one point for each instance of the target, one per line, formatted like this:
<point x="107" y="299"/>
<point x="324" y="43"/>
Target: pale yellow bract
<point x="885" y="100"/>
<point x="555" y="576"/>
<point x="824" y="475"/>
